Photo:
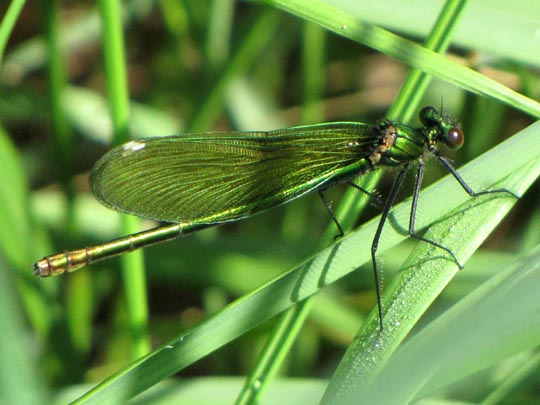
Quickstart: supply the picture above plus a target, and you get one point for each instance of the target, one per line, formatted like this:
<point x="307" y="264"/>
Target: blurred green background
<point x="197" y="66"/>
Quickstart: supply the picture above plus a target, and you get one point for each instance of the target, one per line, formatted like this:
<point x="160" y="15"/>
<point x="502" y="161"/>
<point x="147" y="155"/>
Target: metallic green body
<point x="200" y="180"/>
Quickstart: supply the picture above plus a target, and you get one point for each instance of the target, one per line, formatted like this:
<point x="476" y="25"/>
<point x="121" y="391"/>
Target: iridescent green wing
<point x="219" y="177"/>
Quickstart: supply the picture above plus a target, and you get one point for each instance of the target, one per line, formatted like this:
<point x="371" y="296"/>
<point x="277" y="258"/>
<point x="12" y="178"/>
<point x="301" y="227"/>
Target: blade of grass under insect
<point x="132" y="264"/>
<point x="332" y="263"/>
<point x="505" y="308"/>
<point x="406" y="51"/>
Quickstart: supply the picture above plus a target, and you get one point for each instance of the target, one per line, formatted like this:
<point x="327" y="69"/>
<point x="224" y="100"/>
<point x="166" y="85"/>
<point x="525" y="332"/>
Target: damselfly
<point x="201" y="180"/>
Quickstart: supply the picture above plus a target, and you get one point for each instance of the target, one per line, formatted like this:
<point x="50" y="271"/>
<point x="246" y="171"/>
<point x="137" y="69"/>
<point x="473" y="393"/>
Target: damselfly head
<point x="448" y="129"/>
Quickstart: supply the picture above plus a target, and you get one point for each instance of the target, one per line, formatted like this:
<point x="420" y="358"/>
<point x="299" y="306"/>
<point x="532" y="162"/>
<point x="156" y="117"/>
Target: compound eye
<point x="455" y="138"/>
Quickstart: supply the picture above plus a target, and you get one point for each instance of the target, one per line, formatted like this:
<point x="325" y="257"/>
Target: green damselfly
<point x="201" y="180"/>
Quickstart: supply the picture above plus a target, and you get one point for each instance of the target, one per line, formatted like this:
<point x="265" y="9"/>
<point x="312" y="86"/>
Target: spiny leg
<point x="362" y="189"/>
<point x="464" y="184"/>
<point x="376" y="238"/>
<point x="329" y="206"/>
<point x="373" y="195"/>
<point x="331" y="213"/>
